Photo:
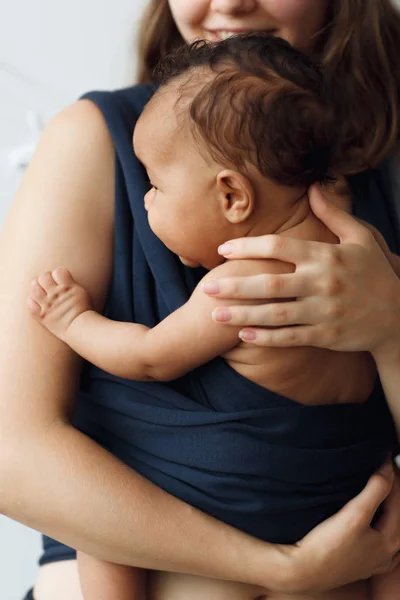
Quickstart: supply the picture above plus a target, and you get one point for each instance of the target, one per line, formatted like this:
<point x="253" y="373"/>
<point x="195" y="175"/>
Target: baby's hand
<point x="56" y="300"/>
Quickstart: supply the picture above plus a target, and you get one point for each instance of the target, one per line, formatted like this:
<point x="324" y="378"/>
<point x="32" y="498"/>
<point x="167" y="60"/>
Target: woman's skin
<point x="64" y="210"/>
<point x="328" y="284"/>
<point x="327" y="312"/>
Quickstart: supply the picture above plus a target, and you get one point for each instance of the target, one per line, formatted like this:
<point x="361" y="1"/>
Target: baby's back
<point x="308" y="375"/>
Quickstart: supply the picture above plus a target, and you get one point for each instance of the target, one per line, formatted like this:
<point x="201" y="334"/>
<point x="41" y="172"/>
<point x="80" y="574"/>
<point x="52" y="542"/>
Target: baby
<point x="231" y="141"/>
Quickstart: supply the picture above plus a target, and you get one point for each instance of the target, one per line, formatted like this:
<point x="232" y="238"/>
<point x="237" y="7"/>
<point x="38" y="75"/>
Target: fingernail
<point x="386" y="470"/>
<point x="225" y="249"/>
<point x="221" y="315"/>
<point x="211" y="287"/>
<point x="247" y="335"/>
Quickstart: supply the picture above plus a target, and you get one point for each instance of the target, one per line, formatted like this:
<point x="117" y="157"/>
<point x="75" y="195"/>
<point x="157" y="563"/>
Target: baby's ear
<point x="235" y="195"/>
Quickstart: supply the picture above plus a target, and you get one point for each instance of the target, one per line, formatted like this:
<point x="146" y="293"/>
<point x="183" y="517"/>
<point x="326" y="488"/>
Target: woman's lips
<point x="218" y="35"/>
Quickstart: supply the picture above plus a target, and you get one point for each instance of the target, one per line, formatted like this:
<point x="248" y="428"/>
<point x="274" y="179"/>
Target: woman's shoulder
<point x="120" y="109"/>
<point x="124" y="104"/>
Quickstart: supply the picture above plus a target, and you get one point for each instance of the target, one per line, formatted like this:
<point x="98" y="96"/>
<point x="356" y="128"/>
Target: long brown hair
<point x="360" y="53"/>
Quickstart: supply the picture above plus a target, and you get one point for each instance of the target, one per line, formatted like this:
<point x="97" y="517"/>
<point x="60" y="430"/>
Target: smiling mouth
<point x="224" y="34"/>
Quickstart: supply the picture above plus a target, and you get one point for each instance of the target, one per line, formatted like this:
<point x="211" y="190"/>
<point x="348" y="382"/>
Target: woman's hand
<point x="345" y="548"/>
<point x="347" y="296"/>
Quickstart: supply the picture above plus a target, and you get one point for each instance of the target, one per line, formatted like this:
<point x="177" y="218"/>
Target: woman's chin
<point x="189" y="263"/>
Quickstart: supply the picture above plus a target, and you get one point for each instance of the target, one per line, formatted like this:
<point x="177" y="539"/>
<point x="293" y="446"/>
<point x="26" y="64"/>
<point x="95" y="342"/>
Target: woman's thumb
<point x="375" y="492"/>
<point x="343" y="225"/>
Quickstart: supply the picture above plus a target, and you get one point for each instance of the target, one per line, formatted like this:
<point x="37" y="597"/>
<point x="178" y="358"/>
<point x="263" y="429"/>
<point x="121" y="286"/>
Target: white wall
<point x="51" y="53"/>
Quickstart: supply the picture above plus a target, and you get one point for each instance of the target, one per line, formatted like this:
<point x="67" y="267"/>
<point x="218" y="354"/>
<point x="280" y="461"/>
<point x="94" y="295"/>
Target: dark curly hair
<point x="255" y="100"/>
<point x="359" y="50"/>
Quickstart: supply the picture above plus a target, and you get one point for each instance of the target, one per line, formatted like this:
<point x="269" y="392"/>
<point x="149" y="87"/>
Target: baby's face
<point x="181" y="204"/>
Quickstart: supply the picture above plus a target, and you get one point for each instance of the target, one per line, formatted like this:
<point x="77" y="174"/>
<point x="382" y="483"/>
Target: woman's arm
<point x="388" y="364"/>
<point x="57" y="480"/>
<point x="387" y="354"/>
<point x="52" y="477"/>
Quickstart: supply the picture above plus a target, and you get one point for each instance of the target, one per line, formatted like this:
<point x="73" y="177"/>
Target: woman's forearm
<point x="387" y="357"/>
<point x="388" y="364"/>
<point x="84" y="497"/>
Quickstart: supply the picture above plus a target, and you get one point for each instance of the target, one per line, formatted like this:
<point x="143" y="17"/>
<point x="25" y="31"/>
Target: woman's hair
<point x="255" y="102"/>
<point x="360" y="54"/>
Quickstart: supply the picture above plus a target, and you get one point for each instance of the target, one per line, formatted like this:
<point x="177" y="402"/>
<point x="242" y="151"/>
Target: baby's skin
<point x="190" y="337"/>
<point x="184" y="340"/>
<point x="194" y="206"/>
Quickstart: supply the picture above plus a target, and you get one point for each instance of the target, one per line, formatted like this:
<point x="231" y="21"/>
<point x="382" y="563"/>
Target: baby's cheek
<point x="153" y="219"/>
<point x="160" y="225"/>
<point x="147" y="201"/>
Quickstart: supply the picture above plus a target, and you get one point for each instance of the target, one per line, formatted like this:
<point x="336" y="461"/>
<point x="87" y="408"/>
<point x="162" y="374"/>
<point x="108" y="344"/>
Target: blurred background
<point x="50" y="54"/>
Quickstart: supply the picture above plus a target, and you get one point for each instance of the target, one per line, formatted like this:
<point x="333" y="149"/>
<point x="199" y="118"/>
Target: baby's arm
<point x="183" y="341"/>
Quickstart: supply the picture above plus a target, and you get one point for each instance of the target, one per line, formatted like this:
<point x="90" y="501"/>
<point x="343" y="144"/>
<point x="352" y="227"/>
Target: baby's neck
<point x="297" y="221"/>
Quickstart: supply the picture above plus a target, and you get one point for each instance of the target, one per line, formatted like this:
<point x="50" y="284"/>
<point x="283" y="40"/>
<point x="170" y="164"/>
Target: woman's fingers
<point x="286" y="337"/>
<point x="389" y="523"/>
<point x="363" y="507"/>
<point x="346" y="548"/>
<point x="265" y="285"/>
<point x="274" y="314"/>
<point x="278" y="247"/>
<point x="342" y="224"/>
<point x="297" y="251"/>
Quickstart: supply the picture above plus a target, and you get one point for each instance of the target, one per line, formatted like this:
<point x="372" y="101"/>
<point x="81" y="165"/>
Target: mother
<point x="75" y="208"/>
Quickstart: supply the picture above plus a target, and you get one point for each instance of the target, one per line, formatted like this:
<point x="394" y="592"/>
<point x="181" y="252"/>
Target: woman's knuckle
<point x="334" y="310"/>
<point x="234" y="287"/>
<point x="266" y="284"/>
<point x="331" y="285"/>
<point x="280" y="314"/>
<point x="291" y="337"/>
<point x="275" y="243"/>
<point x="275" y="284"/>
<point x="272" y="285"/>
<point x="334" y="255"/>
<point x="240" y="315"/>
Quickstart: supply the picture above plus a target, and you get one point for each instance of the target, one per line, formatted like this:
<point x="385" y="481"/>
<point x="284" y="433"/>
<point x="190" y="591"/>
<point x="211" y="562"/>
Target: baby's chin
<point x="189" y="263"/>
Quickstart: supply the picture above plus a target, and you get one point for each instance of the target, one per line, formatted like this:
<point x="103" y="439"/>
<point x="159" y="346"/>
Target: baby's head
<point x="236" y="133"/>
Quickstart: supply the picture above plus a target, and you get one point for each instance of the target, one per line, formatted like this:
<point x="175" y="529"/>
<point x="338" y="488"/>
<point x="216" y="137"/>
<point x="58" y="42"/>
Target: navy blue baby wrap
<point x="263" y="463"/>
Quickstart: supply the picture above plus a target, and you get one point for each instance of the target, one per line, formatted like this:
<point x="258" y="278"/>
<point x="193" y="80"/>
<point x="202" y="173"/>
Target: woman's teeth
<point x="225" y="34"/>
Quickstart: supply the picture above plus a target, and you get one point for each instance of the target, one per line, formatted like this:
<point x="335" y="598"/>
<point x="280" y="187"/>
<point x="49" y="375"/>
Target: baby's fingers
<point x="62" y="276"/>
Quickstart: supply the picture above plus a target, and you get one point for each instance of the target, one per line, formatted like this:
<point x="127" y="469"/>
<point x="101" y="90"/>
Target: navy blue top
<point x="261" y="462"/>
